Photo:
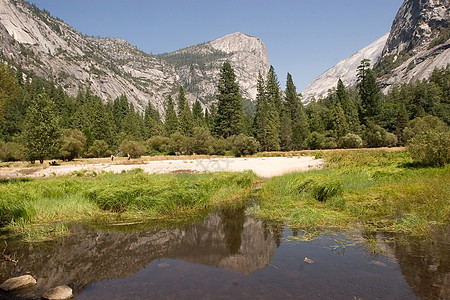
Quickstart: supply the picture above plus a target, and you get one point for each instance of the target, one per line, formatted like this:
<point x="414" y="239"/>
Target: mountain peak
<point x="111" y="67"/>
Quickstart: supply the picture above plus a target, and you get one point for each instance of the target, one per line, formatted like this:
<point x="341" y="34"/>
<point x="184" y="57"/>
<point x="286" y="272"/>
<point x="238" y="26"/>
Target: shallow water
<point x="231" y="255"/>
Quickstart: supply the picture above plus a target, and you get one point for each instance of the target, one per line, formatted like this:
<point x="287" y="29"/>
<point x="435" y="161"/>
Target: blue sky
<point x="304" y="38"/>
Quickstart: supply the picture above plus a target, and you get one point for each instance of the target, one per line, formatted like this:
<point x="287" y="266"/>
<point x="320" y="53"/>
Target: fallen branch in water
<point x="8" y="257"/>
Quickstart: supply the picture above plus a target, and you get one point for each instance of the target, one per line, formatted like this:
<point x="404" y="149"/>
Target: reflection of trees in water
<point x="425" y="265"/>
<point x="233" y="224"/>
<point x="228" y="240"/>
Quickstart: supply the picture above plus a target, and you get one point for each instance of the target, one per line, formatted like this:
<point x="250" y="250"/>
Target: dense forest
<point x="39" y="121"/>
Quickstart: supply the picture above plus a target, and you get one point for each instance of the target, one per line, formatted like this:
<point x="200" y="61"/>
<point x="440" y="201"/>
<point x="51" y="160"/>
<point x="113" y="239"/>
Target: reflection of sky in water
<point x="351" y="275"/>
<point x="229" y="255"/>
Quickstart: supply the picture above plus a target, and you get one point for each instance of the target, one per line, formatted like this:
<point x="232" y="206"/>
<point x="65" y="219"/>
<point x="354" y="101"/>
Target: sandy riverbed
<point x="262" y="166"/>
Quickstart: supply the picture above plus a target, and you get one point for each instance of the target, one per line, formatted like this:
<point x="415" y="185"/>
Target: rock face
<point x="416" y="23"/>
<point x="345" y="70"/>
<point x="34" y="40"/>
<point x="412" y="46"/>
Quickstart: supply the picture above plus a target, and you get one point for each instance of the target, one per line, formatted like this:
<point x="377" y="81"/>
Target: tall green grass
<point x="377" y="189"/>
<point x="135" y="194"/>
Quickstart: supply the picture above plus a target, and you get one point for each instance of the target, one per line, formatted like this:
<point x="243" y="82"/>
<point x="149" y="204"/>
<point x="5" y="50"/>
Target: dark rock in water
<point x="17" y="283"/>
<point x="61" y="292"/>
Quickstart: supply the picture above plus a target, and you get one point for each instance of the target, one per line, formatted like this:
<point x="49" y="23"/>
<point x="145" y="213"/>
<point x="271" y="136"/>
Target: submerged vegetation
<point x="27" y="206"/>
<point x="379" y="190"/>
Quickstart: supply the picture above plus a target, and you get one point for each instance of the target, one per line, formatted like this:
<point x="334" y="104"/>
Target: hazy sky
<point x="304" y="38"/>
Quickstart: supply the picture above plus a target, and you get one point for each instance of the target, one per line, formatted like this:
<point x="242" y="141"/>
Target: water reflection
<point x="425" y="265"/>
<point x="227" y="239"/>
<point x="230" y="255"/>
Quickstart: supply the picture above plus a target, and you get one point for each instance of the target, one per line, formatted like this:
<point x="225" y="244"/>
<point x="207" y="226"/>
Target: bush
<point x="421" y="125"/>
<point x="390" y="140"/>
<point x="330" y="143"/>
<point x="350" y="140"/>
<point x="11" y="151"/>
<point x="158" y="143"/>
<point x="202" y="140"/>
<point x="99" y="148"/>
<point x="180" y="144"/>
<point x="218" y="146"/>
<point x="374" y="135"/>
<point x="243" y="145"/>
<point x="134" y="148"/>
<point x="72" y="143"/>
<point x="316" y="141"/>
<point x="431" y="147"/>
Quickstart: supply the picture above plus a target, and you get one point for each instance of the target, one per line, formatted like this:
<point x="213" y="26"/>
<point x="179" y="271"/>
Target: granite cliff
<point x="34" y="40"/>
<point x="418" y="42"/>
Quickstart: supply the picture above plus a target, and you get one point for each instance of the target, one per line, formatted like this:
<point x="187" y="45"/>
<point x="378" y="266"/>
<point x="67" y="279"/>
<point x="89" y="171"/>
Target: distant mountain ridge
<point x="110" y="67"/>
<point x="418" y="42"/>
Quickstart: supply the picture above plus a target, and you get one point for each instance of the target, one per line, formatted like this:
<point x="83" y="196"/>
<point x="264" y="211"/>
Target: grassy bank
<point x="379" y="190"/>
<point x="34" y="207"/>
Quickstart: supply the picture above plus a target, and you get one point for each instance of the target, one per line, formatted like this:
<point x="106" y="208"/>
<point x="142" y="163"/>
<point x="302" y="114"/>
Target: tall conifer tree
<point x="171" y="121"/>
<point x="229" y="119"/>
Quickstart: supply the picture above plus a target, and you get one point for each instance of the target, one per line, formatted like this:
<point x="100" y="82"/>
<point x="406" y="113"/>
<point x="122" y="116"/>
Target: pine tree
<point x="186" y="121"/>
<point x="41" y="132"/>
<point x="171" y="121"/>
<point x="273" y="89"/>
<point x="230" y="113"/>
<point x="299" y="119"/>
<point x="197" y="113"/>
<point x="266" y="123"/>
<point x="340" y="125"/>
<point x="402" y="121"/>
<point x="368" y="91"/>
<point x="350" y="110"/>
<point x="152" y="121"/>
<point x="9" y="87"/>
<point x="181" y="101"/>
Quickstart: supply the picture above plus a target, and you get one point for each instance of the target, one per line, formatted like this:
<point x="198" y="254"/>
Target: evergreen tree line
<point x="39" y="121"/>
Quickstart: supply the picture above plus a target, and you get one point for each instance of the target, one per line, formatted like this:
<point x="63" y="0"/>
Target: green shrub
<point x="11" y="151"/>
<point x="134" y="148"/>
<point x="243" y="145"/>
<point x="420" y="125"/>
<point x="180" y="144"/>
<point x="390" y="140"/>
<point x="99" y="148"/>
<point x="374" y="135"/>
<point x="202" y="140"/>
<point x="316" y="141"/>
<point x="330" y="143"/>
<point x="72" y="143"/>
<point x="158" y="143"/>
<point x="350" y="140"/>
<point x="431" y="147"/>
<point x="218" y="146"/>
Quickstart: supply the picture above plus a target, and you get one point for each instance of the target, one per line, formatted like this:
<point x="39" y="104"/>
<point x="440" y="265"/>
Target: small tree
<point x="350" y="140"/>
<point x="243" y="145"/>
<point x="134" y="148"/>
<point x="72" y="143"/>
<point x="41" y="133"/>
<point x="431" y="147"/>
<point x="99" y="148"/>
<point x="316" y="141"/>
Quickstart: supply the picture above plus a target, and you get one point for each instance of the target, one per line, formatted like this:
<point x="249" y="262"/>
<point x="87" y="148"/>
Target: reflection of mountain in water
<point x="228" y="240"/>
<point x="426" y="266"/>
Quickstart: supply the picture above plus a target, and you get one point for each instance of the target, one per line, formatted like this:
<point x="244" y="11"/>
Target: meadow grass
<point x="380" y="190"/>
<point x="28" y="207"/>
